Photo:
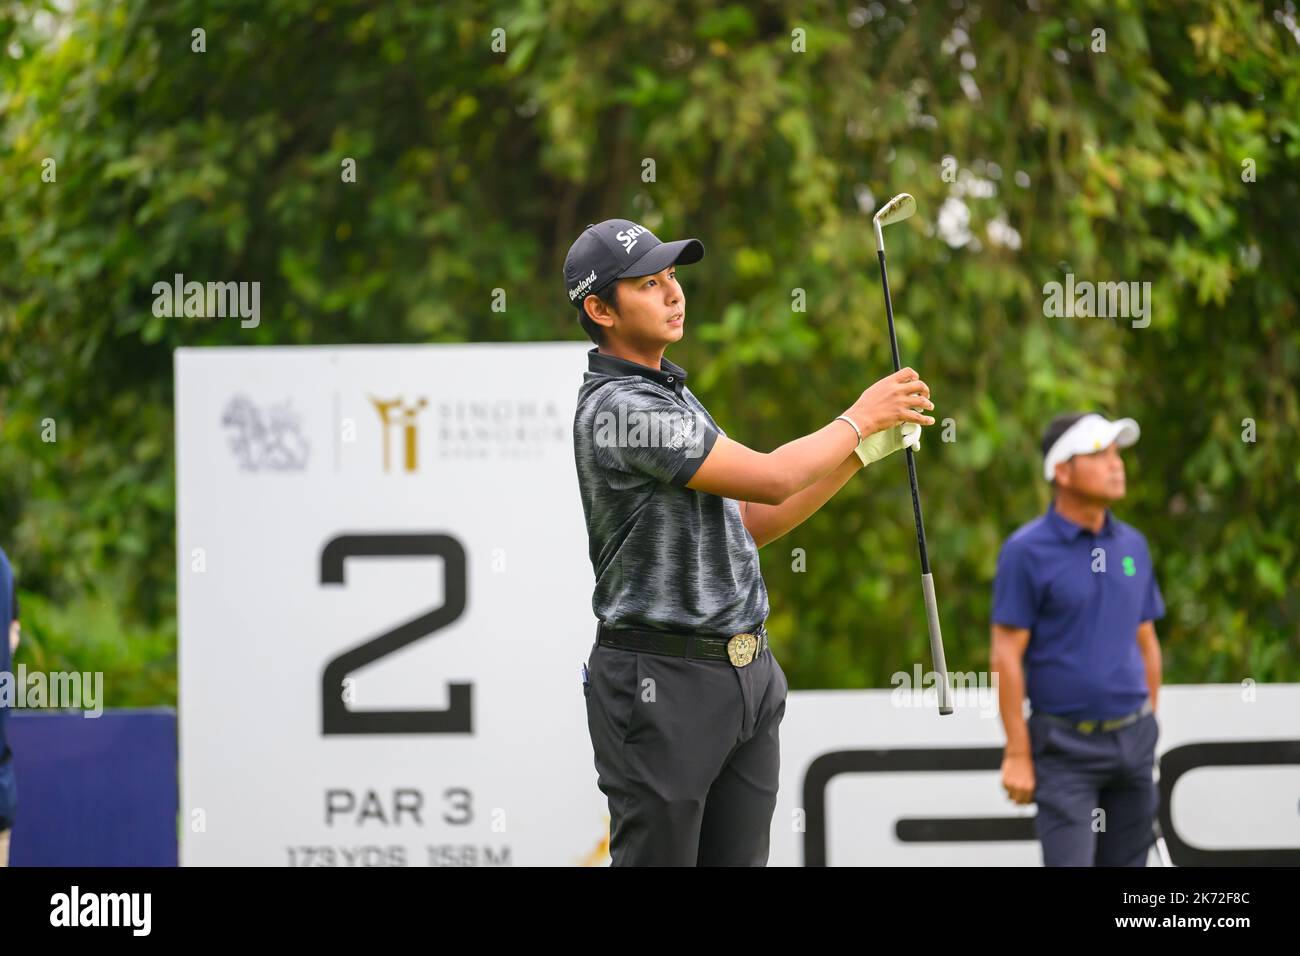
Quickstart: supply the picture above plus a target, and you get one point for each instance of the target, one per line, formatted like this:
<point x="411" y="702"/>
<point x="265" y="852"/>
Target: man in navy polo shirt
<point x="1074" y="605"/>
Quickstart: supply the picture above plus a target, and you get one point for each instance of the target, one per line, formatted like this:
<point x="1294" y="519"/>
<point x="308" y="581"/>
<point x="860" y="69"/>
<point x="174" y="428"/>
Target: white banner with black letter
<point x="385" y="602"/>
<point x="878" y="778"/>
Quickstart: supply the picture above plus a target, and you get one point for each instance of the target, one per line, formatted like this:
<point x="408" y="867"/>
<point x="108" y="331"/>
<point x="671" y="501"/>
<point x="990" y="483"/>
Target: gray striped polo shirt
<point x="666" y="557"/>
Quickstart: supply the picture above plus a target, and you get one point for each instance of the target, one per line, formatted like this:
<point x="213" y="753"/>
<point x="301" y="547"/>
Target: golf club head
<point x="897" y="209"/>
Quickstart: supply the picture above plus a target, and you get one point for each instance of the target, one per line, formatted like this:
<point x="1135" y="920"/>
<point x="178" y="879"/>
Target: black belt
<point x="1088" y="726"/>
<point x="738" y="649"/>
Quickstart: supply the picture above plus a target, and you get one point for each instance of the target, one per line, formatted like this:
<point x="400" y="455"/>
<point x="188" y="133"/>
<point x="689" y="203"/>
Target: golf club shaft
<point x="927" y="579"/>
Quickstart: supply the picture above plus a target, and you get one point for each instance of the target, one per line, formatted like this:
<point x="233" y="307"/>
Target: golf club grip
<point x="936" y="644"/>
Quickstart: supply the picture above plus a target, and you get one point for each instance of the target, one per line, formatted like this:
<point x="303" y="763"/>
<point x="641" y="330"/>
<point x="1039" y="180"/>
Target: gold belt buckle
<point x="740" y="649"/>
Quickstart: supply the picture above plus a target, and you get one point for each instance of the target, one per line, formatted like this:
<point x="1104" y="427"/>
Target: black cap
<point x="619" y="249"/>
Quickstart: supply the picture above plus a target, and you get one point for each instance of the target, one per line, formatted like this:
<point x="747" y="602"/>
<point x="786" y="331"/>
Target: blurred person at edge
<point x="9" y="619"/>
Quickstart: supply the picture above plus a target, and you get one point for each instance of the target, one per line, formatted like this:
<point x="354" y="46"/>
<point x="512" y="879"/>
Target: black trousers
<point x="688" y="754"/>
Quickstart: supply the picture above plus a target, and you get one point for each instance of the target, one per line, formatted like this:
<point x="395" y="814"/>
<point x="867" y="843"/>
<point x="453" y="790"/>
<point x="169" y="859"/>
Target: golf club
<point x="897" y="209"/>
<point x="1162" y="851"/>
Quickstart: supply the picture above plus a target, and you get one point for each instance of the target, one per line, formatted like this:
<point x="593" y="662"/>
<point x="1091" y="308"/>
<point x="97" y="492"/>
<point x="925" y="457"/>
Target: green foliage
<point x="475" y="169"/>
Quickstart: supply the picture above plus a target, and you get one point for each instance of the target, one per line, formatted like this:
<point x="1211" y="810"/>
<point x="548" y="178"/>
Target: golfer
<point x="1074" y="605"/>
<point x="684" y="696"/>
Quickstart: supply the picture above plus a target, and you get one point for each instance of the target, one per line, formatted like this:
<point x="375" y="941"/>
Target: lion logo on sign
<point x="265" y="441"/>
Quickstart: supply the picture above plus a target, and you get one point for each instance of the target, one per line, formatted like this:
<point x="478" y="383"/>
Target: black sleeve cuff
<point x="691" y="465"/>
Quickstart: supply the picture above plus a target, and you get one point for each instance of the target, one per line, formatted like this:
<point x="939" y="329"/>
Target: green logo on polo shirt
<point x="1130" y="568"/>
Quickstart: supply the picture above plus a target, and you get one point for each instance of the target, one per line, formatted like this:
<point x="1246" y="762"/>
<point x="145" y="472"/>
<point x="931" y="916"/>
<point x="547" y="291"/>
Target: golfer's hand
<point x="895" y="399"/>
<point x="1018" y="777"/>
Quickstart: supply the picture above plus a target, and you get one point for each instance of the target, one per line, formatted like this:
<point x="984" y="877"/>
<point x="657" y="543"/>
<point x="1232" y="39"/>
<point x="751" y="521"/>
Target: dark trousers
<point x="688" y="754"/>
<point x="1095" y="792"/>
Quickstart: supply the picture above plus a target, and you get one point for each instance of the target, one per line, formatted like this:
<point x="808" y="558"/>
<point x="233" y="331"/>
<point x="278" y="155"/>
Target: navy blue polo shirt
<point x="1083" y="659"/>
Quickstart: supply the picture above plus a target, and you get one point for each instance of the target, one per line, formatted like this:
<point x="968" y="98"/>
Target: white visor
<point x="1089" y="434"/>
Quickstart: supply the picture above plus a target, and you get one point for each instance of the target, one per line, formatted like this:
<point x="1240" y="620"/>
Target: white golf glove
<point x="877" y="446"/>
